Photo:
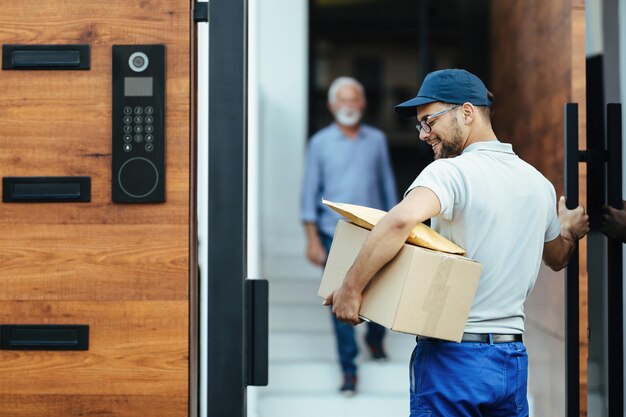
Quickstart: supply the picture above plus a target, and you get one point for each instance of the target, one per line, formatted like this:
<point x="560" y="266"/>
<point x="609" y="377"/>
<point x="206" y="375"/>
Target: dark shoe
<point x="348" y="388"/>
<point x="377" y="352"/>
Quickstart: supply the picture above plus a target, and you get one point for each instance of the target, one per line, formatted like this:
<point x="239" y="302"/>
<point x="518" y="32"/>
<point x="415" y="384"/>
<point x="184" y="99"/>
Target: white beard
<point x="346" y="116"/>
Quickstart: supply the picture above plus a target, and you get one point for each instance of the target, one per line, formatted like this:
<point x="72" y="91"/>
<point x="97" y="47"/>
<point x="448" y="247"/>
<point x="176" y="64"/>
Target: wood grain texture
<point x="121" y="268"/>
<point x="531" y="49"/>
<point x="538" y="65"/>
<point x="135" y="348"/>
<point x="59" y="122"/>
<point x="90" y="405"/>
<point x="101" y="262"/>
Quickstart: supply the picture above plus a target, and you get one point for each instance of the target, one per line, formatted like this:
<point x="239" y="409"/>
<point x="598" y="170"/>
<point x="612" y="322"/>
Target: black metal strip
<point x="201" y="11"/>
<point x="46" y="189"/>
<point x="44" y="337"/>
<point x="595" y="155"/>
<point x="572" y="366"/>
<point x="226" y="391"/>
<point x="614" y="276"/>
<point x="257" y="308"/>
<point x="46" y="57"/>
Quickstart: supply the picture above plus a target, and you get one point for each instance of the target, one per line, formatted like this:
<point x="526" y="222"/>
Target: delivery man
<point x="479" y="194"/>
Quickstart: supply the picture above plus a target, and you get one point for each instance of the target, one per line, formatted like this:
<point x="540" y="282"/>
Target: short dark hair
<point x="487" y="111"/>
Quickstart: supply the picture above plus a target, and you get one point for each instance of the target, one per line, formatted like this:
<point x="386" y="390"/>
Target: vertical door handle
<point x="614" y="265"/>
<point x="572" y="366"/>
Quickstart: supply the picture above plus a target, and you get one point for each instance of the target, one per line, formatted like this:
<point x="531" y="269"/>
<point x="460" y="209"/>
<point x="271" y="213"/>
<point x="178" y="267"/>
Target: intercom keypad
<point x="138" y="166"/>
<point x="140" y="128"/>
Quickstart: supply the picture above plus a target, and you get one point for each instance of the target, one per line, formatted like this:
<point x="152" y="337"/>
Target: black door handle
<point x="572" y="366"/>
<point x="614" y="265"/>
<point x="257" y="319"/>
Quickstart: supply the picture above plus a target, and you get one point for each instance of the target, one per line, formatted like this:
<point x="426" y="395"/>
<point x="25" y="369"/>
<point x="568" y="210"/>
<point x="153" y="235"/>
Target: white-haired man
<point x="347" y="162"/>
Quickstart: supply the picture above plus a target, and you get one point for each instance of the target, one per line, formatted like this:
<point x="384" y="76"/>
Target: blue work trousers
<point x="451" y="379"/>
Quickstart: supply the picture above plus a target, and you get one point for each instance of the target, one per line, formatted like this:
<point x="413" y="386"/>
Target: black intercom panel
<point x="138" y="154"/>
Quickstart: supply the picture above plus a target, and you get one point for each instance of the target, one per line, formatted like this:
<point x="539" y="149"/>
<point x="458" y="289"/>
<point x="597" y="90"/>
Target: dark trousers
<point x="344" y="333"/>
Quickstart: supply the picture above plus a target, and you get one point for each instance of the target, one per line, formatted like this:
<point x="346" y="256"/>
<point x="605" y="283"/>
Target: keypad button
<point x="138" y="129"/>
<point x="128" y="128"/>
<point x="149" y="110"/>
<point x="149" y="147"/>
<point x="128" y="147"/>
<point x="138" y="110"/>
<point x="138" y="120"/>
<point x="128" y="120"/>
<point x="128" y="110"/>
<point x="138" y="138"/>
<point x="127" y="138"/>
<point x="149" y="120"/>
<point x="149" y="128"/>
<point x="149" y="138"/>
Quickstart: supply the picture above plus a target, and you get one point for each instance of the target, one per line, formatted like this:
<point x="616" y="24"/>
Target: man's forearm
<point x="568" y="249"/>
<point x="558" y="252"/>
<point x="574" y="226"/>
<point x="382" y="245"/>
<point x="312" y="233"/>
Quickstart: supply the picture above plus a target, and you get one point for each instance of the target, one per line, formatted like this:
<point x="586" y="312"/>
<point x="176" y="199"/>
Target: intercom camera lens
<point x="138" y="61"/>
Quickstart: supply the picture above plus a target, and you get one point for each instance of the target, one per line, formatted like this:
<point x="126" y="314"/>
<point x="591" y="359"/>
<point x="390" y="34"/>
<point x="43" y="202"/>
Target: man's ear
<point x="469" y="112"/>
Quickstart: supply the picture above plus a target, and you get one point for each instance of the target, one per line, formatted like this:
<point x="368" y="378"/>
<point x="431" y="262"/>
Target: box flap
<point x="421" y="235"/>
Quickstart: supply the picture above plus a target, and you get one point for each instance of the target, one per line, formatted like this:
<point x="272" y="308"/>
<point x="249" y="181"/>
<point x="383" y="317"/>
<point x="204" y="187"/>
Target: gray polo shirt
<point x="501" y="210"/>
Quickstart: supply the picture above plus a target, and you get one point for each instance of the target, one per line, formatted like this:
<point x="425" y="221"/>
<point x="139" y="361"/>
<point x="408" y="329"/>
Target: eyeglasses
<point x="425" y="124"/>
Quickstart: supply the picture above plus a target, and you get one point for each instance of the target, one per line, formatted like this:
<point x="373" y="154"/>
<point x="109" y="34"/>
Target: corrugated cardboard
<point x="421" y="291"/>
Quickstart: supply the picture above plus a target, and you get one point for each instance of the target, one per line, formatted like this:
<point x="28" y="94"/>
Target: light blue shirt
<point x="346" y="170"/>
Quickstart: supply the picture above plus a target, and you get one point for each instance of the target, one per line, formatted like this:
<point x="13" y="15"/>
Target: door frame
<point x="226" y="243"/>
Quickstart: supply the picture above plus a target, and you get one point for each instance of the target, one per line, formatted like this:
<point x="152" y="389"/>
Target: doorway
<point x="292" y="88"/>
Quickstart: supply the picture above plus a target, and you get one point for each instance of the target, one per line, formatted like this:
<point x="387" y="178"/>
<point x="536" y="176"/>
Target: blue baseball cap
<point x="454" y="86"/>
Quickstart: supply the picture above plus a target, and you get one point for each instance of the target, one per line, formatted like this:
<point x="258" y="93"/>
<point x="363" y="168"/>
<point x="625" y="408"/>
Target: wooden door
<point x="538" y="65"/>
<point x="121" y="269"/>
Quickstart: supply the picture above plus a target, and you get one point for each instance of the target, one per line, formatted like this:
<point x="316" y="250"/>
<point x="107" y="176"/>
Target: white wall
<point x="282" y="65"/>
<point x="594" y="42"/>
<point x="203" y="210"/>
<point x="277" y="129"/>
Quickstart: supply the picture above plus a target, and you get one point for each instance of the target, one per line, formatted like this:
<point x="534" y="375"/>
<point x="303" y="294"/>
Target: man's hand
<point x="346" y="304"/>
<point x="574" y="226"/>
<point x="574" y="223"/>
<point x="316" y="253"/>
<point x="614" y="222"/>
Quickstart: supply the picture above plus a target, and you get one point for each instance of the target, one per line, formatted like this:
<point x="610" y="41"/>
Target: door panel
<point x="122" y="269"/>
<point x="538" y="65"/>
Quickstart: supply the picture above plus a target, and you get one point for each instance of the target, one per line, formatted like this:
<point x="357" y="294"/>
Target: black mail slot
<point x="46" y="189"/>
<point x="44" y="337"/>
<point x="44" y="57"/>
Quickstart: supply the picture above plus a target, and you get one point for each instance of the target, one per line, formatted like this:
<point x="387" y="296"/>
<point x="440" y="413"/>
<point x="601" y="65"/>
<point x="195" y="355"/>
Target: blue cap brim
<point x="409" y="107"/>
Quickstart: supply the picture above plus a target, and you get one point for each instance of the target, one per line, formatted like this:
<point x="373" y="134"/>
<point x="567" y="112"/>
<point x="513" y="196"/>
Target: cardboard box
<point x="421" y="291"/>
